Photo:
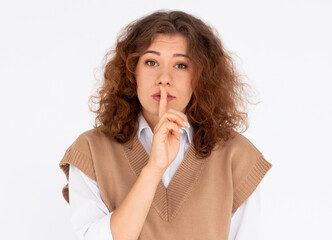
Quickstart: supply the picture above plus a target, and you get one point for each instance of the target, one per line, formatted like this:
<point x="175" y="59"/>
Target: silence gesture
<point x="166" y="135"/>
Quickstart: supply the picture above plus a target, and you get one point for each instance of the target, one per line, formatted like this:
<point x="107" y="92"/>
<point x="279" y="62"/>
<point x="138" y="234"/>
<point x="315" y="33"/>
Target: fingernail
<point x="185" y="123"/>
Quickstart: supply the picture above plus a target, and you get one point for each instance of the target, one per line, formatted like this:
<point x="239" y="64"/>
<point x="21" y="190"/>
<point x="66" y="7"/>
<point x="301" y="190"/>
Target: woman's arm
<point x="128" y="219"/>
<point x="245" y="224"/>
<point x="90" y="217"/>
<point x="92" y="220"/>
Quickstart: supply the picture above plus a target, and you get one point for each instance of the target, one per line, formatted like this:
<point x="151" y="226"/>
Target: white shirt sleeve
<point x="90" y="217"/>
<point x="245" y="224"/>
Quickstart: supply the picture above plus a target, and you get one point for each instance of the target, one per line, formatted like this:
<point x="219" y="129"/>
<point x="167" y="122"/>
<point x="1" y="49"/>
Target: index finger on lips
<point x="163" y="101"/>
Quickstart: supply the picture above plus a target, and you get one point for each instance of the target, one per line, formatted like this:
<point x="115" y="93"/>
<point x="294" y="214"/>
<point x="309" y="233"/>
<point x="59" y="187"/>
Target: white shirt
<point x="90" y="217"/>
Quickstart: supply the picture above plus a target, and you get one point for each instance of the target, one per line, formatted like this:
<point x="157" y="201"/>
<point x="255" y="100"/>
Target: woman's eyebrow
<point x="174" y="55"/>
<point x="180" y="55"/>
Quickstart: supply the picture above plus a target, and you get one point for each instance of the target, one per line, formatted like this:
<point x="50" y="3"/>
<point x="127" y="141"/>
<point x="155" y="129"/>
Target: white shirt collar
<point x="142" y="124"/>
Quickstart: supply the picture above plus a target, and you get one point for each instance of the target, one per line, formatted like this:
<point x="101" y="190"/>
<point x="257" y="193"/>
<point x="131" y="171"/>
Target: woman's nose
<point x="164" y="78"/>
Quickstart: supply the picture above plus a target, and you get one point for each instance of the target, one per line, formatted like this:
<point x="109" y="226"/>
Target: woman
<point x="164" y="159"/>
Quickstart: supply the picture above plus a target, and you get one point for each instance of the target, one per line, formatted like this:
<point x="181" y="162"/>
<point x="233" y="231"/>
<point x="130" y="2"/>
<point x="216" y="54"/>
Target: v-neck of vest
<point x="168" y="201"/>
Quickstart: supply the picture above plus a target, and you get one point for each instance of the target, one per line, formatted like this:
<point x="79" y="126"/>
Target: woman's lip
<point x="159" y="93"/>
<point x="157" y="98"/>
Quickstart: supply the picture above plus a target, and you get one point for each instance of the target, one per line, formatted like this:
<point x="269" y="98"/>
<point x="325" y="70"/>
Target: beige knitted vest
<point x="199" y="200"/>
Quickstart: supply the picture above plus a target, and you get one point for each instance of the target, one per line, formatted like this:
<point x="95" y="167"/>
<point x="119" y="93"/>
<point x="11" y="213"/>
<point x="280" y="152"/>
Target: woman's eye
<point x="181" y="66"/>
<point x="150" y="63"/>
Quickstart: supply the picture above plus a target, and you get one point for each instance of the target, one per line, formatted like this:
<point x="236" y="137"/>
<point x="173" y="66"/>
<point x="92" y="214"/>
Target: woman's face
<point x="164" y="62"/>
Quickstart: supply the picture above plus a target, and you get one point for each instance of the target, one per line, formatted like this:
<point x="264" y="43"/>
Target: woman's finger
<point x="163" y="101"/>
<point x="173" y="128"/>
<point x="180" y="114"/>
<point x="173" y="117"/>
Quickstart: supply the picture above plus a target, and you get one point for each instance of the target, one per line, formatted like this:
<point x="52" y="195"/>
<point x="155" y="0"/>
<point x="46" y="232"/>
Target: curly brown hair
<point x="214" y="108"/>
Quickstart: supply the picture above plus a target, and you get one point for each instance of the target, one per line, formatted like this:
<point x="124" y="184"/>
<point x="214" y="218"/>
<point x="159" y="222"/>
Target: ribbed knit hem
<point x="250" y="183"/>
<point x="80" y="161"/>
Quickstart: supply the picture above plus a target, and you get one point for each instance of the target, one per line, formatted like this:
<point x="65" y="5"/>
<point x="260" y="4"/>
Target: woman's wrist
<point x="154" y="171"/>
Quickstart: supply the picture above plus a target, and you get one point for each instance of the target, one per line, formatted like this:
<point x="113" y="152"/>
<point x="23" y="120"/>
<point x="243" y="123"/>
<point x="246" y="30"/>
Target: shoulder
<point x="87" y="136"/>
<point x="249" y="167"/>
<point x="239" y="143"/>
<point x="245" y="155"/>
<point x="88" y="140"/>
<point x="240" y="150"/>
<point x="79" y="153"/>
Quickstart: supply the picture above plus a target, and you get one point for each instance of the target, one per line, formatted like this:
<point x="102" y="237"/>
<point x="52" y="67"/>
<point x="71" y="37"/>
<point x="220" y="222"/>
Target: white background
<point x="50" y="58"/>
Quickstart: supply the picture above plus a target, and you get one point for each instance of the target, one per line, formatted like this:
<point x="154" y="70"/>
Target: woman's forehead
<point x="176" y="42"/>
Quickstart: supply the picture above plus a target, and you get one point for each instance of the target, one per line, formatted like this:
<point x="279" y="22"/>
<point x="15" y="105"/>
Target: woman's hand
<point x="166" y="135"/>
